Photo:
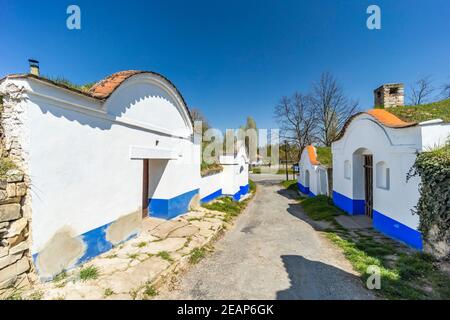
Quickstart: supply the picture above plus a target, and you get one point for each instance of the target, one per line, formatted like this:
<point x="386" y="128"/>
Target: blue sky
<point x="232" y="58"/>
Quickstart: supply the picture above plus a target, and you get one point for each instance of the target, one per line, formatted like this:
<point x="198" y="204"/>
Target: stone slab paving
<point x="354" y="222"/>
<point x="126" y="271"/>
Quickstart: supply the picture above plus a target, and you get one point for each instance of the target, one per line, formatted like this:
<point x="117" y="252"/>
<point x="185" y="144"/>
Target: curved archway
<point x="362" y="182"/>
<point x="128" y="95"/>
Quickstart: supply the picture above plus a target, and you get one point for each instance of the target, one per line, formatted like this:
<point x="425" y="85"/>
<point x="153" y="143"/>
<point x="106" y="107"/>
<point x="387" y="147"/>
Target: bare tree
<point x="446" y="91"/>
<point x="197" y="115"/>
<point x="297" y="120"/>
<point x="332" y="106"/>
<point x="421" y="90"/>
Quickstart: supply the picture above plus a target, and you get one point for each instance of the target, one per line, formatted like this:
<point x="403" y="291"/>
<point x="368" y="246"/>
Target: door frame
<point x="145" y="187"/>
<point x="368" y="185"/>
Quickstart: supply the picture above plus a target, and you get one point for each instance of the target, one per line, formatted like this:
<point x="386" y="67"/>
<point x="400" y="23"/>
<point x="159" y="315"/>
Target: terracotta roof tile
<point x="383" y="117"/>
<point x="312" y="155"/>
<point x="388" y="119"/>
<point x="104" y="88"/>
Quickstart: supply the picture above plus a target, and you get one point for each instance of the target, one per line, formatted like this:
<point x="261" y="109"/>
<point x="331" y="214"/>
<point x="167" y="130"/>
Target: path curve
<point x="271" y="253"/>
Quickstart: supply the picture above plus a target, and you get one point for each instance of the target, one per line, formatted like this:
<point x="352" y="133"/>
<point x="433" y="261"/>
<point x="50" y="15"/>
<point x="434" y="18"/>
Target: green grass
<point x="5" y="165"/>
<point x="133" y="256"/>
<point x="150" y="291"/>
<point x="65" y="82"/>
<point x="196" y="255"/>
<point x="37" y="295"/>
<point x="60" y="277"/>
<point x="320" y="208"/>
<point x="283" y="171"/>
<point x="405" y="277"/>
<point x="165" y="255"/>
<point x="141" y="244"/>
<point x="208" y="169"/>
<point x="229" y="206"/>
<point x="290" y="185"/>
<point x="108" y="292"/>
<point x="324" y="156"/>
<point x="89" y="273"/>
<point x="252" y="186"/>
<point x="225" y="204"/>
<point x="256" y="170"/>
<point x="424" y="112"/>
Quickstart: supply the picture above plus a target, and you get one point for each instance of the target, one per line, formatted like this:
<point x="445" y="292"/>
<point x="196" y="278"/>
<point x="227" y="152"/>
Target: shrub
<point x="433" y="167"/>
<point x="89" y="273"/>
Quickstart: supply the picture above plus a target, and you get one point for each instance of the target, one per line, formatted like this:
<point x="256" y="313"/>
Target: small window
<point x="393" y="90"/>
<point x="347" y="169"/>
<point x="382" y="175"/>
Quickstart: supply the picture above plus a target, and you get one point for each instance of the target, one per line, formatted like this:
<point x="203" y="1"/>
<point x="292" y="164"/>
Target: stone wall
<point x="15" y="258"/>
<point x="16" y="267"/>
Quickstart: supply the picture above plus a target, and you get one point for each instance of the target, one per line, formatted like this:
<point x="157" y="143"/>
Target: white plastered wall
<point x="79" y="163"/>
<point x="210" y="184"/>
<point x="315" y="181"/>
<point x="397" y="148"/>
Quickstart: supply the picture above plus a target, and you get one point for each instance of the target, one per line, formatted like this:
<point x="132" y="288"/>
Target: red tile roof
<point x="103" y="89"/>
<point x="312" y="155"/>
<point x="383" y="117"/>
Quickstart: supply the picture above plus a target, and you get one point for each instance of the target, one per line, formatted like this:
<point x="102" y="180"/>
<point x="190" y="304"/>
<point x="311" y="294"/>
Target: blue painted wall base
<point x="211" y="196"/>
<point x="381" y="222"/>
<point x="352" y="207"/>
<point x="170" y="208"/>
<point x="305" y="190"/>
<point x="397" y="230"/>
<point x="96" y="244"/>
<point x="243" y="190"/>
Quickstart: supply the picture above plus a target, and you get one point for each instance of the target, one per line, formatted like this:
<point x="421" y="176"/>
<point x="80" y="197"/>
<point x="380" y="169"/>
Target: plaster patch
<point x="124" y="227"/>
<point x="61" y="252"/>
<point x="194" y="204"/>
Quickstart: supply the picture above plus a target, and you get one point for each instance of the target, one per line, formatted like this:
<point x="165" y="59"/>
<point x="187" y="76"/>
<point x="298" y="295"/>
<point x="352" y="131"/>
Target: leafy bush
<point x="433" y="206"/>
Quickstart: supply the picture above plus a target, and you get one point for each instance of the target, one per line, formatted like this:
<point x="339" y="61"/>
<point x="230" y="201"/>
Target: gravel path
<point x="271" y="253"/>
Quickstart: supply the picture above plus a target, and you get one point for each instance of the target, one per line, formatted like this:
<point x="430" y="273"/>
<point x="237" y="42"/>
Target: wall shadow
<point x="288" y="193"/>
<point x="114" y="112"/>
<point x="315" y="280"/>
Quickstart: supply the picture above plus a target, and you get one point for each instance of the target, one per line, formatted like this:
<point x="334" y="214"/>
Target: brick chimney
<point x="34" y="67"/>
<point x="390" y="95"/>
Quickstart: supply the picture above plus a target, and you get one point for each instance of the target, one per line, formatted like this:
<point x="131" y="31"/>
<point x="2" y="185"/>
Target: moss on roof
<point x="324" y="156"/>
<point x="423" y="112"/>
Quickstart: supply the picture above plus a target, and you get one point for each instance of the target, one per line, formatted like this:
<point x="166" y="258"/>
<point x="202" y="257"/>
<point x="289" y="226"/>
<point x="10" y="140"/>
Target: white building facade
<point x="99" y="162"/>
<point x="313" y="176"/>
<point x="371" y="160"/>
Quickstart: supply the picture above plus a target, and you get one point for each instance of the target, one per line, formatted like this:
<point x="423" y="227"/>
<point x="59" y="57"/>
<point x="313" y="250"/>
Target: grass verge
<point x="404" y="274"/>
<point x="229" y="206"/>
<point x="196" y="255"/>
<point x="290" y="185"/>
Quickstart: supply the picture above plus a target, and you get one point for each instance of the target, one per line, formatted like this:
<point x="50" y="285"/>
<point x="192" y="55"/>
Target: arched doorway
<point x="363" y="181"/>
